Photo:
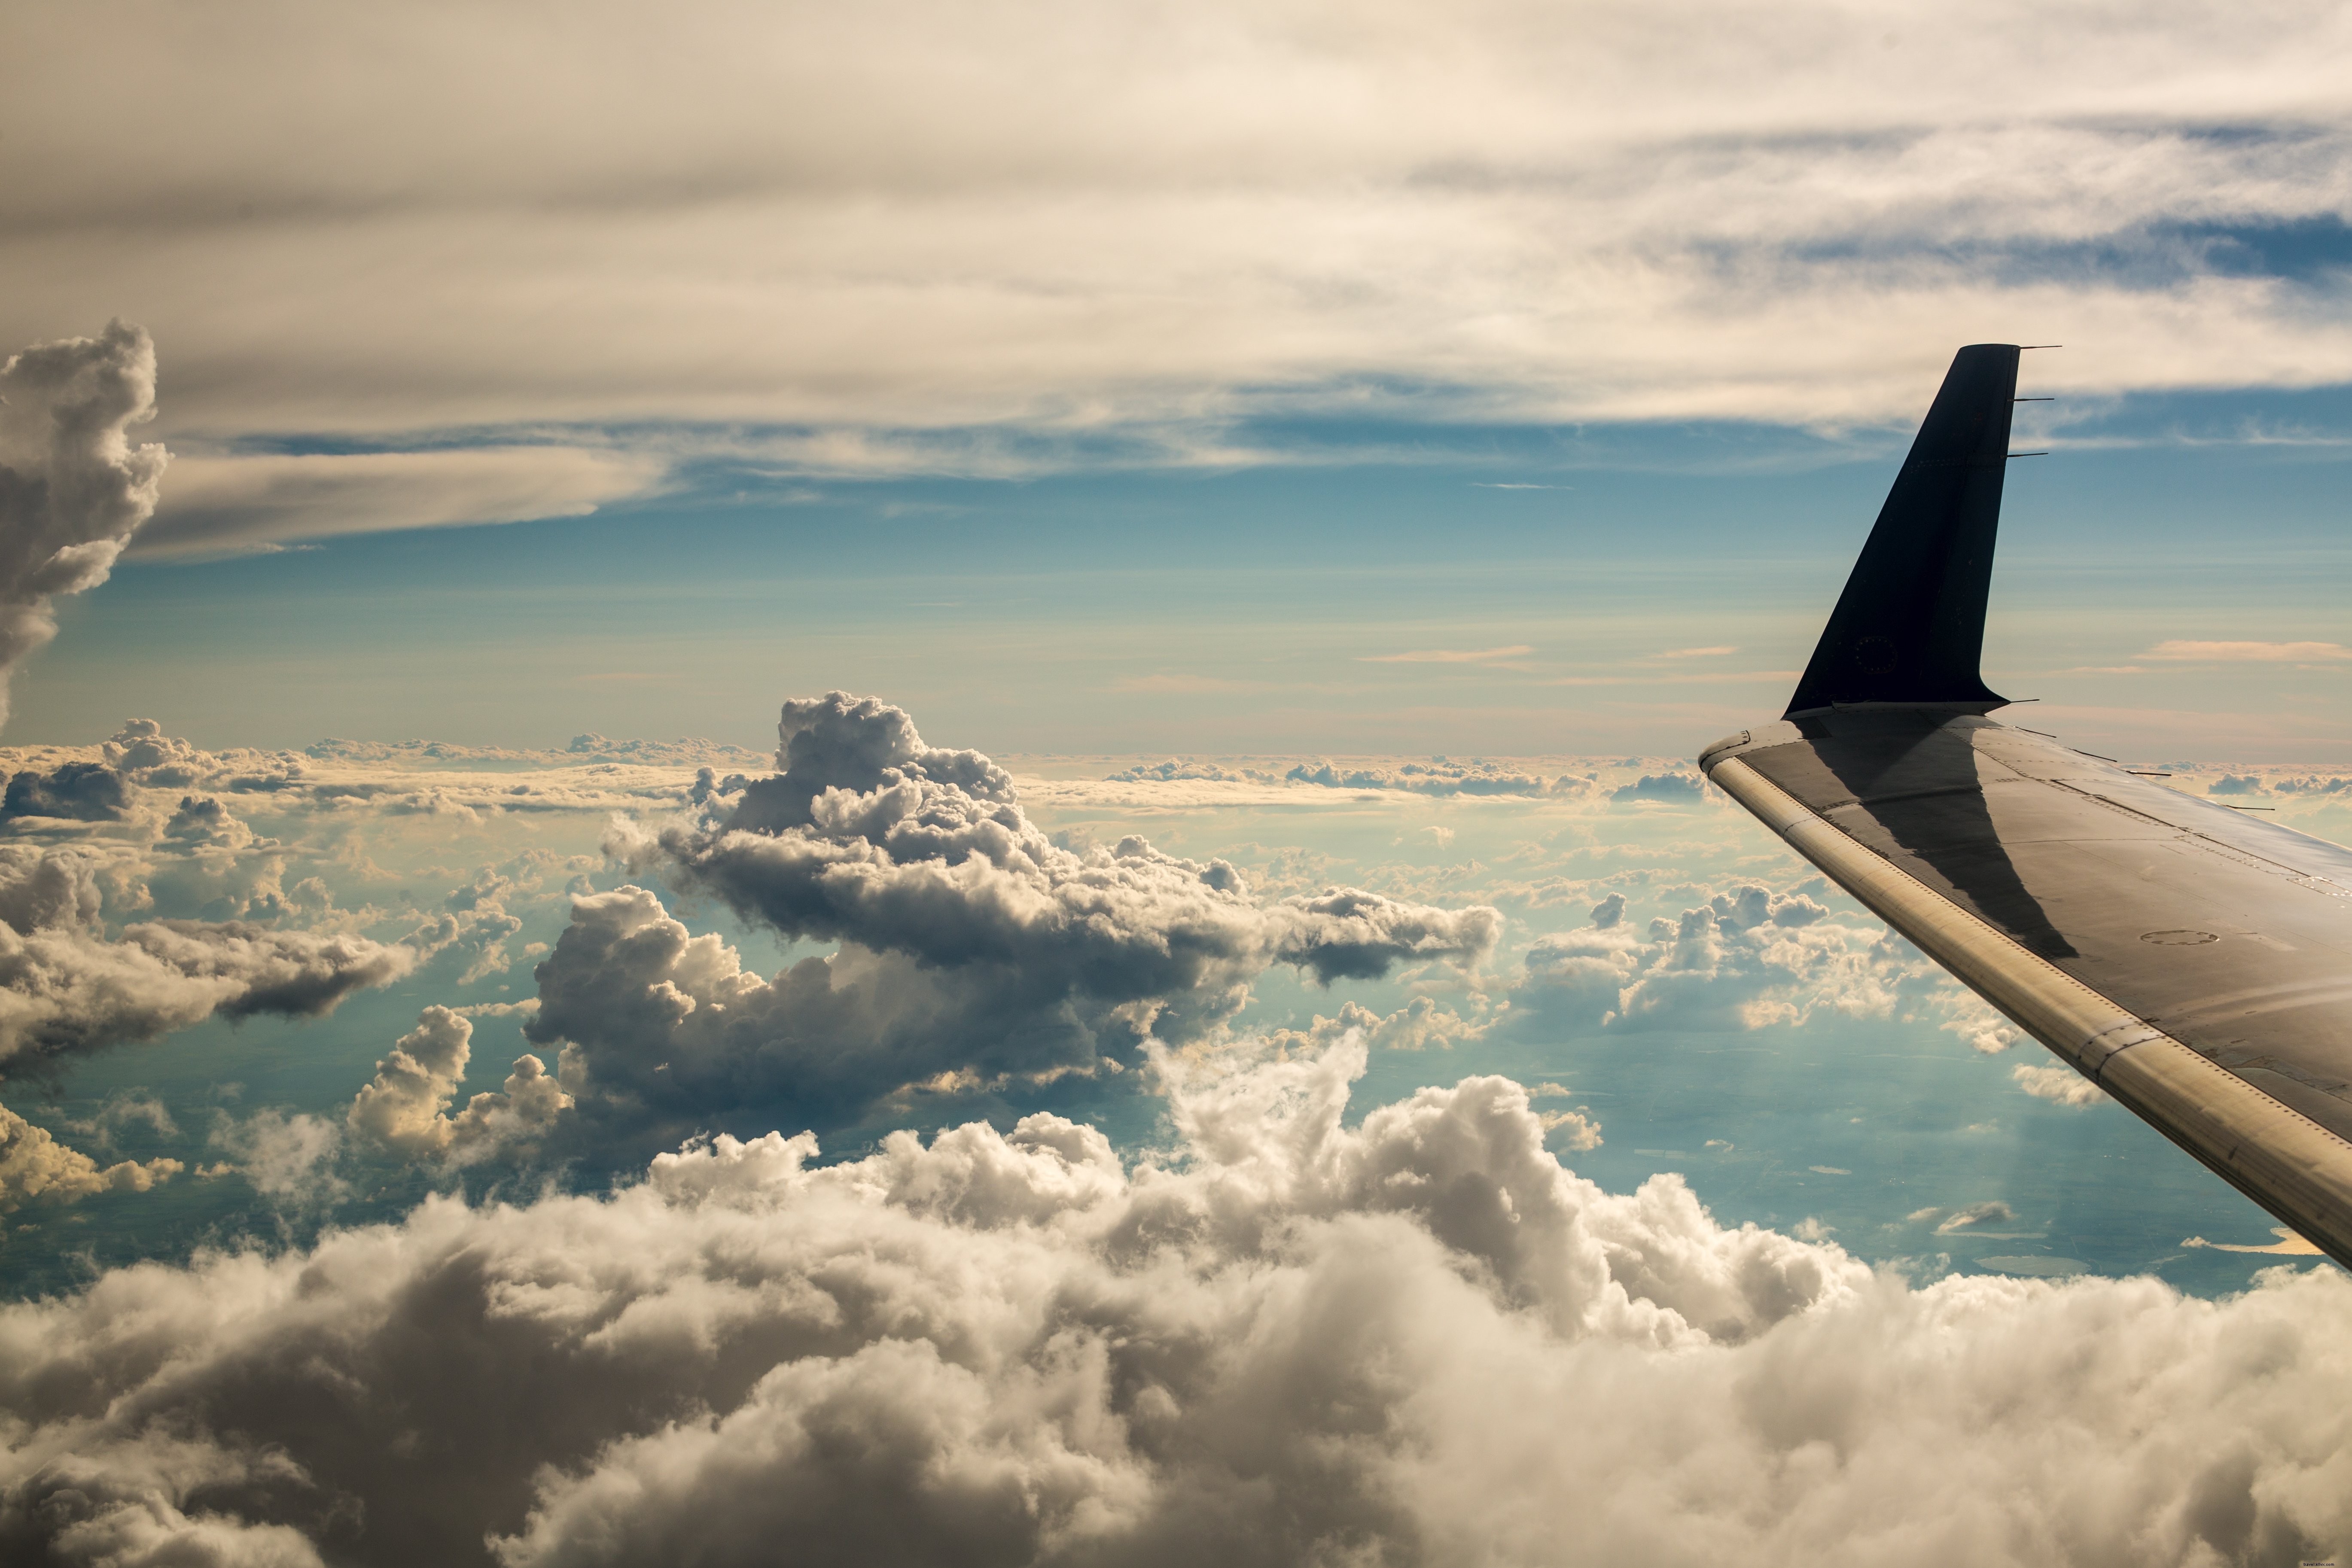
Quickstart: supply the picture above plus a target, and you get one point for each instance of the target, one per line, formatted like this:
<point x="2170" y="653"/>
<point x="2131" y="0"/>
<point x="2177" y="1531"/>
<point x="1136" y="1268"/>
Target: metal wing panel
<point x="2244" y="1123"/>
<point x="2234" y="937"/>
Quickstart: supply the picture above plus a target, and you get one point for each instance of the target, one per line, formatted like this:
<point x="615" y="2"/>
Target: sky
<point x="916" y="778"/>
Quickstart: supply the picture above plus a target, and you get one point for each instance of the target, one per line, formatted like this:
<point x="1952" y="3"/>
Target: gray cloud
<point x="75" y="791"/>
<point x="72" y="488"/>
<point x="223" y="504"/>
<point x="1282" y="1345"/>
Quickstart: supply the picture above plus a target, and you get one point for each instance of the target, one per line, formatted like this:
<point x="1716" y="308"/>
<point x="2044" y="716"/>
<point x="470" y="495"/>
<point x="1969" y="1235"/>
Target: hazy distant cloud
<point x="72" y="488"/>
<point x="1440" y="776"/>
<point x="2250" y="652"/>
<point x="1748" y="958"/>
<point x="1282" y="1345"/>
<point x="240" y="504"/>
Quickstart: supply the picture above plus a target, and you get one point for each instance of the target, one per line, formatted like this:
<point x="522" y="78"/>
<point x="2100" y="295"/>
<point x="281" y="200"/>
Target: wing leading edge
<point x="2194" y="963"/>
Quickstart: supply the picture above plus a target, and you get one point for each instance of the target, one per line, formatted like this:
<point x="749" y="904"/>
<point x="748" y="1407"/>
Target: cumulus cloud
<point x="403" y="1108"/>
<point x="34" y="1164"/>
<point x="72" y="488"/>
<point x="1283" y="1344"/>
<point x="2059" y="1084"/>
<point x="973" y="947"/>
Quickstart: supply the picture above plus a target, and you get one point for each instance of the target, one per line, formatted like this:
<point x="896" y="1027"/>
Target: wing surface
<point x="2192" y="960"/>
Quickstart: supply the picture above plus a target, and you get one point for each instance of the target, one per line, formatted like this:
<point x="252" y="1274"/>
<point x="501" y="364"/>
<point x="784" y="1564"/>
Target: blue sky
<point x="1234" y="609"/>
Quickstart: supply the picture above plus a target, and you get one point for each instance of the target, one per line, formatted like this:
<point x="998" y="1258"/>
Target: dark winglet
<point x="1909" y="628"/>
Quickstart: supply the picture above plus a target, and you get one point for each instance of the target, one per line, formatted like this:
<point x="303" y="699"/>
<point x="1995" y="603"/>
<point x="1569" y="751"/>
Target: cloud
<point x="2288" y="1245"/>
<point x="1662" y="786"/>
<point x="2059" y="1085"/>
<point x="402" y="1108"/>
<point x="1747" y="958"/>
<point x="34" y="1164"/>
<point x="74" y="792"/>
<point x="228" y="504"/>
<point x="1281" y="1345"/>
<point x="852" y="223"/>
<point x="286" y="1156"/>
<point x="1439" y="776"/>
<point x="972" y="946"/>
<point x="64" y="989"/>
<point x="1698" y="652"/>
<point x="1449" y="656"/>
<point x="2250" y="652"/>
<point x="72" y="488"/>
<point x="1976" y="1216"/>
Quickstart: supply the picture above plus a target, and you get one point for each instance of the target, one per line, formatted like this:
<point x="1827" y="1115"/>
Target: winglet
<point x="1909" y="628"/>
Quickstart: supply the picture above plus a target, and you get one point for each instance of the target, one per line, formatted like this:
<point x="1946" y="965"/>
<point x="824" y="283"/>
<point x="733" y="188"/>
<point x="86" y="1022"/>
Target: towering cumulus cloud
<point x="1419" y="1340"/>
<point x="972" y="948"/>
<point x="72" y="488"/>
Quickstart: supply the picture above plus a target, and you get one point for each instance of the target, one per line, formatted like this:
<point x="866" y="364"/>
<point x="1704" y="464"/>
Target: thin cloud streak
<point x="1448" y="656"/>
<point x="2250" y="652"/>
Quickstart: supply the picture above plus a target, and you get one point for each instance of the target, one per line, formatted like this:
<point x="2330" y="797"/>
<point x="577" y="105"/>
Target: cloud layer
<point x="900" y="238"/>
<point x="1289" y="1341"/>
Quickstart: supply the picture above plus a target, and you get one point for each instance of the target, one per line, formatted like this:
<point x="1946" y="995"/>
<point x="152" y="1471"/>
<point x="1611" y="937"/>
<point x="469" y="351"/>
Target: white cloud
<point x="2059" y="1085"/>
<point x="1282" y="1345"/>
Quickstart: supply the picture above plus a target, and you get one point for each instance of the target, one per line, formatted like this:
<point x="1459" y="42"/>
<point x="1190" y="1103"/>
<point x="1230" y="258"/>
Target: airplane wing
<point x="2194" y="962"/>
